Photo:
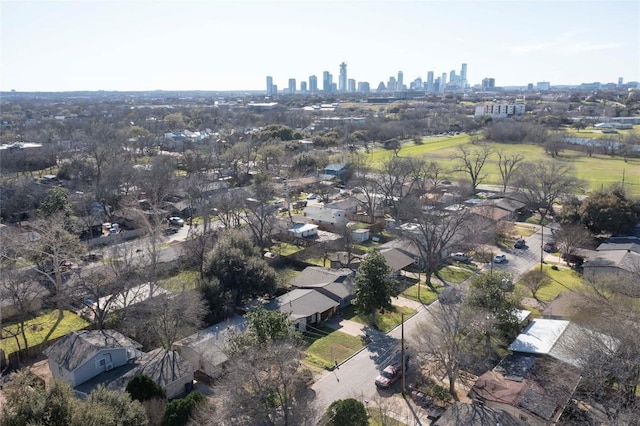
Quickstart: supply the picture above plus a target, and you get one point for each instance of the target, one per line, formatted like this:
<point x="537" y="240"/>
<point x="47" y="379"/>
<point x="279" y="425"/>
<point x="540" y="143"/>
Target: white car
<point x="500" y="258"/>
<point x="176" y="221"/>
<point x="459" y="257"/>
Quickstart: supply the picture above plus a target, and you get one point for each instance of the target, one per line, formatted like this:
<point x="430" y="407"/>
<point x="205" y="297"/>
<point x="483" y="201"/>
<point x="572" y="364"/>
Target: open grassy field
<point x="41" y="328"/>
<point x="598" y="171"/>
<point x="186" y="279"/>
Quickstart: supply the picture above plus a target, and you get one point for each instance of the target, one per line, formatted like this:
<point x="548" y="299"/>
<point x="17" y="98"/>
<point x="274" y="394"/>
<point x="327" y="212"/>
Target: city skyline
<point x="220" y="45"/>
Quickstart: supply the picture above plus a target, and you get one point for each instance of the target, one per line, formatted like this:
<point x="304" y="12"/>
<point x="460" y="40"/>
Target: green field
<point x="598" y="170"/>
<point x="427" y="296"/>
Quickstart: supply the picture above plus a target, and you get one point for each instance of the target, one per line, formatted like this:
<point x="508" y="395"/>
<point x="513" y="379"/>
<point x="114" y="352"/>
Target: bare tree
<point x="433" y="234"/>
<point x="54" y="251"/>
<point x="569" y="238"/>
<point x="263" y="386"/>
<point x="472" y="162"/>
<point x="25" y="295"/>
<point x="535" y="280"/>
<point x="507" y="165"/>
<point x="447" y="336"/>
<point x="398" y="180"/>
<point x="546" y="182"/>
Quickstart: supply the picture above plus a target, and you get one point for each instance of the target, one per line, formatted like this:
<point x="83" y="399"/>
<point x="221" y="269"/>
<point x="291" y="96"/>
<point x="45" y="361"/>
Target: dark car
<point x="549" y="247"/>
<point x="519" y="244"/>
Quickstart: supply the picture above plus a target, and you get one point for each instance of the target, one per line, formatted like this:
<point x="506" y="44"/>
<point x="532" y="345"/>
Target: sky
<point x="233" y="45"/>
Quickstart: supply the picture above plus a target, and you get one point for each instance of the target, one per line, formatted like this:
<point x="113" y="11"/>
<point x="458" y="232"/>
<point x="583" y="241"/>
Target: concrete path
<point x="346" y="326"/>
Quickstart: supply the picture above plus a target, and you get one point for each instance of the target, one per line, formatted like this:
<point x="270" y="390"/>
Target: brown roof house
<point x="475" y="415"/>
<point x="534" y="390"/>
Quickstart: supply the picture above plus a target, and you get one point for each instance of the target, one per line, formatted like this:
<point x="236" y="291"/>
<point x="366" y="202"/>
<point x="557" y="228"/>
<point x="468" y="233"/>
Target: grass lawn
<point x="327" y="346"/>
<point x="43" y="327"/>
<point x="454" y="274"/>
<point x="285" y="249"/>
<point x="186" y="279"/>
<point x="427" y="296"/>
<point x="379" y="419"/>
<point x="524" y="230"/>
<point x="388" y="320"/>
<point x="598" y="170"/>
<point x="562" y="280"/>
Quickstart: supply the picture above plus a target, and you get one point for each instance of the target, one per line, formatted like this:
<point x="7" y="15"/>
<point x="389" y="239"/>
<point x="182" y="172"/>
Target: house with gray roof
<point x="167" y="368"/>
<point x="616" y="256"/>
<point x="336" y="284"/>
<point x="205" y="348"/>
<point x="81" y="355"/>
<point x="306" y="307"/>
<point x="396" y="260"/>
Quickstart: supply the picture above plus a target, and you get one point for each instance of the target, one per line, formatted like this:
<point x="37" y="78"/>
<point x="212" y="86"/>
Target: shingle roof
<point x="302" y="303"/>
<point x="396" y="259"/>
<point x="161" y="365"/>
<point x="79" y="346"/>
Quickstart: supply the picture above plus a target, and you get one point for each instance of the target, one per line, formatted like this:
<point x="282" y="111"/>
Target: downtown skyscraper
<point x="342" y="82"/>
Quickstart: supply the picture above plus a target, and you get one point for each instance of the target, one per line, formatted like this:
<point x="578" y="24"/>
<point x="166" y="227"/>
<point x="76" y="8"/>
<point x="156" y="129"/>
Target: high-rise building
<point x="463" y="76"/>
<point x="274" y="90"/>
<point x="453" y="78"/>
<point x="351" y="85"/>
<point x="488" y="84"/>
<point x="303" y="87"/>
<point x="269" y="85"/>
<point x="342" y="82"/>
<point x="313" y="84"/>
<point x="292" y="86"/>
<point x="620" y="81"/>
<point x="400" y="80"/>
<point x="543" y="86"/>
<point x="392" y="85"/>
<point x="430" y="81"/>
<point x="443" y="81"/>
<point x="363" y="87"/>
<point x="436" y="85"/>
<point x="327" y="81"/>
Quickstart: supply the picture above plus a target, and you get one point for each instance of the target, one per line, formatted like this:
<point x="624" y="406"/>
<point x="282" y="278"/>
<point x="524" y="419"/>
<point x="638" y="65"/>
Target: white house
<point x="324" y="216"/>
<point x="302" y="230"/>
<point x="81" y="355"/>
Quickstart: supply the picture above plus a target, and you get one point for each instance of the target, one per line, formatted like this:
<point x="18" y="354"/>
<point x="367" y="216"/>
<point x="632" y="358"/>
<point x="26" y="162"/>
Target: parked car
<point x="519" y="244"/>
<point x="312" y="197"/>
<point x="170" y="231"/>
<point x="389" y="375"/>
<point x="92" y="257"/>
<point x="459" y="257"/>
<point x="549" y="247"/>
<point x="500" y="258"/>
<point x="176" y="221"/>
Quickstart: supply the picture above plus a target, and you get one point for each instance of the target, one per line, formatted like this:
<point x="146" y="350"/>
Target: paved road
<point x="355" y="377"/>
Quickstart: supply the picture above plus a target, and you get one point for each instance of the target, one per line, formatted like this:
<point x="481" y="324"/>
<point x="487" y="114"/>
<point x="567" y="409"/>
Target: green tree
<point x="57" y="201"/>
<point x="142" y="388"/>
<point x="107" y="407"/>
<point x="263" y="327"/>
<point x="494" y="294"/>
<point x="178" y="412"/>
<point x="609" y="211"/>
<point x="347" y="412"/>
<point x="372" y="286"/>
<point x="236" y="262"/>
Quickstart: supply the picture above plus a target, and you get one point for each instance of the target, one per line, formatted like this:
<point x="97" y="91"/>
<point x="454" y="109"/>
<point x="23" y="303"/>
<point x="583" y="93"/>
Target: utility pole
<point x="402" y="351"/>
<point x="541" y="246"/>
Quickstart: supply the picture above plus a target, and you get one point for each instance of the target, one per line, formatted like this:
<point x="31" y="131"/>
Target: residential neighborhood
<point x="226" y="260"/>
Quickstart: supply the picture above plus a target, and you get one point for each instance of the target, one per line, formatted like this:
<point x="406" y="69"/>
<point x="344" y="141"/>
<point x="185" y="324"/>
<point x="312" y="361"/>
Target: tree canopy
<point x="609" y="211"/>
<point x="240" y="269"/>
<point x="373" y="287"/>
<point x="347" y="412"/>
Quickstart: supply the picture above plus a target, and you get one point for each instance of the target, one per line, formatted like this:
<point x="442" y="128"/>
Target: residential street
<point x="355" y="377"/>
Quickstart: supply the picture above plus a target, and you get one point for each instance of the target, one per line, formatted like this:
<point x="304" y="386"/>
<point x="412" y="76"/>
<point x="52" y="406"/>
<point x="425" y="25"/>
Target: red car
<point x="389" y="375"/>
